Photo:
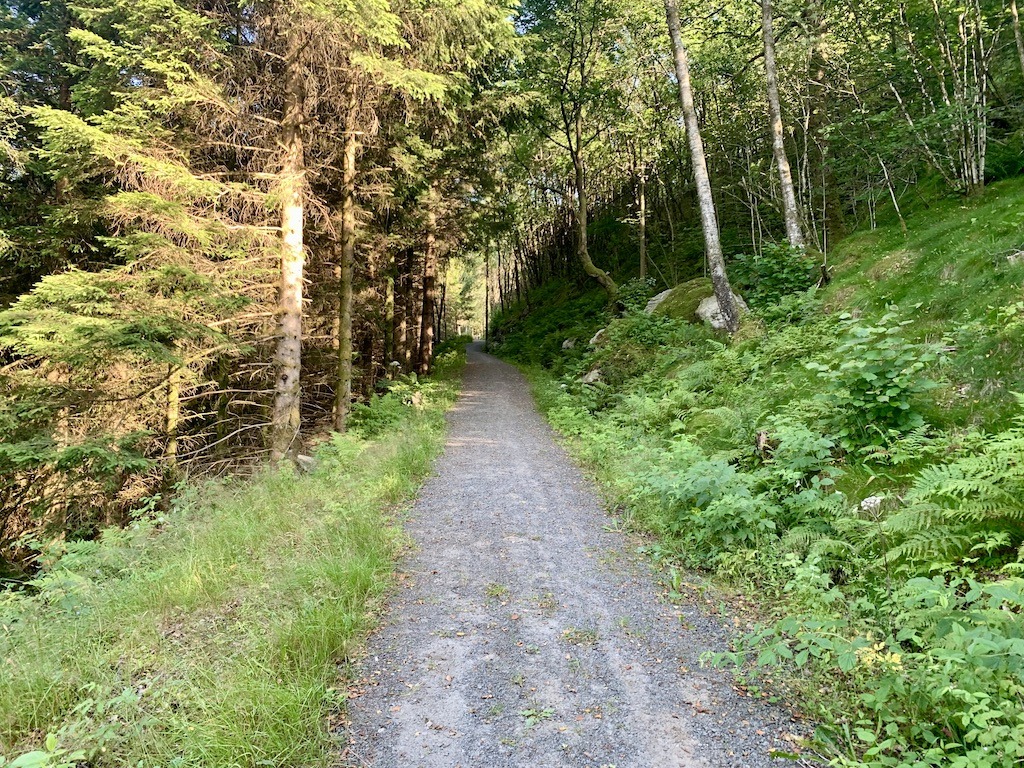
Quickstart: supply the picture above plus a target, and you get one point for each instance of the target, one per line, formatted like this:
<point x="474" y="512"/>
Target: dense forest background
<point x="224" y="225"/>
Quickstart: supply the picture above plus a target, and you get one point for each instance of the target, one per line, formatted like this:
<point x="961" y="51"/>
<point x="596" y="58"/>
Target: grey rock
<point x="597" y="337"/>
<point x="305" y="463"/>
<point x="654" y="302"/>
<point x="569" y="344"/>
<point x="710" y="312"/>
<point x="592" y="377"/>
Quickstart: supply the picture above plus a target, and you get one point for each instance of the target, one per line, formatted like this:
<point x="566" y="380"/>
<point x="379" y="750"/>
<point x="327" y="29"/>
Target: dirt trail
<point x="527" y="633"/>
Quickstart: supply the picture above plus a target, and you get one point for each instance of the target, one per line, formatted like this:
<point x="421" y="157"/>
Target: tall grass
<point x="213" y="637"/>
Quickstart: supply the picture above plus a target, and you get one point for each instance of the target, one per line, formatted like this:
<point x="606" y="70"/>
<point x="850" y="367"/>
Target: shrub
<point x="947" y="689"/>
<point x="779" y="270"/>
<point x="874" y="378"/>
<point x="634" y="294"/>
<point x="794" y="308"/>
<point x="707" y="502"/>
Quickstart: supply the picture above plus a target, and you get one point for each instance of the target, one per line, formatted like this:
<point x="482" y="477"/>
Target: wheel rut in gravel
<point x="526" y="632"/>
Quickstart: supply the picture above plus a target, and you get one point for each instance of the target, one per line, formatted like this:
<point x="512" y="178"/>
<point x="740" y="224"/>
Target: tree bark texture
<point x="1016" y="34"/>
<point x="343" y="388"/>
<point x="641" y="199"/>
<point x="487" y="296"/>
<point x="582" y="214"/>
<point x="790" y="211"/>
<point x="426" y="342"/>
<point x="401" y="309"/>
<point x="708" y="217"/>
<point x="288" y="358"/>
<point x="172" y="418"/>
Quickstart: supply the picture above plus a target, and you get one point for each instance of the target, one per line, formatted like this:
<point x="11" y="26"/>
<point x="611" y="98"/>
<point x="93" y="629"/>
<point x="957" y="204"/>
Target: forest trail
<point x="526" y="633"/>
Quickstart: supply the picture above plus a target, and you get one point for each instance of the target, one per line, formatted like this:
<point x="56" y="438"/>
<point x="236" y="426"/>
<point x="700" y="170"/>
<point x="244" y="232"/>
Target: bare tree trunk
<point x="223" y="378"/>
<point x="790" y="212"/>
<point x="515" y="276"/>
<point x="343" y="387"/>
<point x="389" y="320"/>
<point x="288" y="358"/>
<point x="641" y="200"/>
<point x="398" y="325"/>
<point x="439" y="329"/>
<point x="582" y="214"/>
<point x="892" y="194"/>
<point x="171" y="421"/>
<point x="1017" y="35"/>
<point x="709" y="220"/>
<point x="426" y="347"/>
<point x="501" y="287"/>
<point x="412" y="327"/>
<point x="487" y="296"/>
<point x="819" y="163"/>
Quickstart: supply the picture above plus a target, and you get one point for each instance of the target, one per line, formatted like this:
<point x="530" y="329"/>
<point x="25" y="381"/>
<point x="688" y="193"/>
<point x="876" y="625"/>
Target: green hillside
<point x="853" y="459"/>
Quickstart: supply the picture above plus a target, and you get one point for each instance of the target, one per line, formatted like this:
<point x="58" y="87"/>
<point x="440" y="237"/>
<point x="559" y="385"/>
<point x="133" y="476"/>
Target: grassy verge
<point x="214" y="637"/>
<point x="854" y="464"/>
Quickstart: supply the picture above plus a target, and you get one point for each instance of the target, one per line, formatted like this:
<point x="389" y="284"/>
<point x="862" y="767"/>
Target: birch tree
<point x="790" y="211"/>
<point x="709" y="219"/>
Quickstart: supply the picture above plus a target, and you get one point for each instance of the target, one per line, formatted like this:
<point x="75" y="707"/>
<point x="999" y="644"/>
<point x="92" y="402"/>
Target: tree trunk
<point x="223" y="379"/>
<point x="343" y="388"/>
<point x="790" y="212"/>
<point x="389" y="320"/>
<point x="288" y="358"/>
<point x="401" y="316"/>
<point x="487" y="296"/>
<point x="709" y="220"/>
<point x="582" y="212"/>
<point x="1017" y="35"/>
<point x="439" y="328"/>
<point x="426" y="346"/>
<point x="501" y="287"/>
<point x="641" y="200"/>
<point x="172" y="418"/>
<point x="820" y="169"/>
<point x="414" y="304"/>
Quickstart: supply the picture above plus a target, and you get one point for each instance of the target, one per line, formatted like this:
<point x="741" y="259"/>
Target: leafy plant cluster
<point x="803" y="460"/>
<point x="777" y="271"/>
<point x="874" y="378"/>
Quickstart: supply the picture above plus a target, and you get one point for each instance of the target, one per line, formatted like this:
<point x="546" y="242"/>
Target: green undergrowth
<point x="216" y="634"/>
<point x="854" y="459"/>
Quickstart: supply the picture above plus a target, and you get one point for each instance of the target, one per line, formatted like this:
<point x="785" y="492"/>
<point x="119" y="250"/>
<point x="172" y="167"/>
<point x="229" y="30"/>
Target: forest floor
<point x="527" y="630"/>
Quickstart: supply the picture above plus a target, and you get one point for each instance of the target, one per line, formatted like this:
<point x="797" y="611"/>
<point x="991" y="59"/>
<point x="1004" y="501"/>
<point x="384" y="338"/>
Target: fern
<point x="963" y="506"/>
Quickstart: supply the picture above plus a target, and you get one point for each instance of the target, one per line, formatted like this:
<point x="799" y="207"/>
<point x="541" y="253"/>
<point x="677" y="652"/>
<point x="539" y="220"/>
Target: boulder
<point x="569" y="344"/>
<point x="681" y="302"/>
<point x="655" y="302"/>
<point x="693" y="301"/>
<point x="597" y="337"/>
<point x="709" y="311"/>
<point x="591" y="378"/>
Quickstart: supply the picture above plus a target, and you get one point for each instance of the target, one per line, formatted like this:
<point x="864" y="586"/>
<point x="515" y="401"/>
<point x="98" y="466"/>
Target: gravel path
<point x="528" y="634"/>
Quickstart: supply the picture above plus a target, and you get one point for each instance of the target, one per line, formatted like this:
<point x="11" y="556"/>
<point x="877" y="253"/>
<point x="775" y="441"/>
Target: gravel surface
<point x="526" y="632"/>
